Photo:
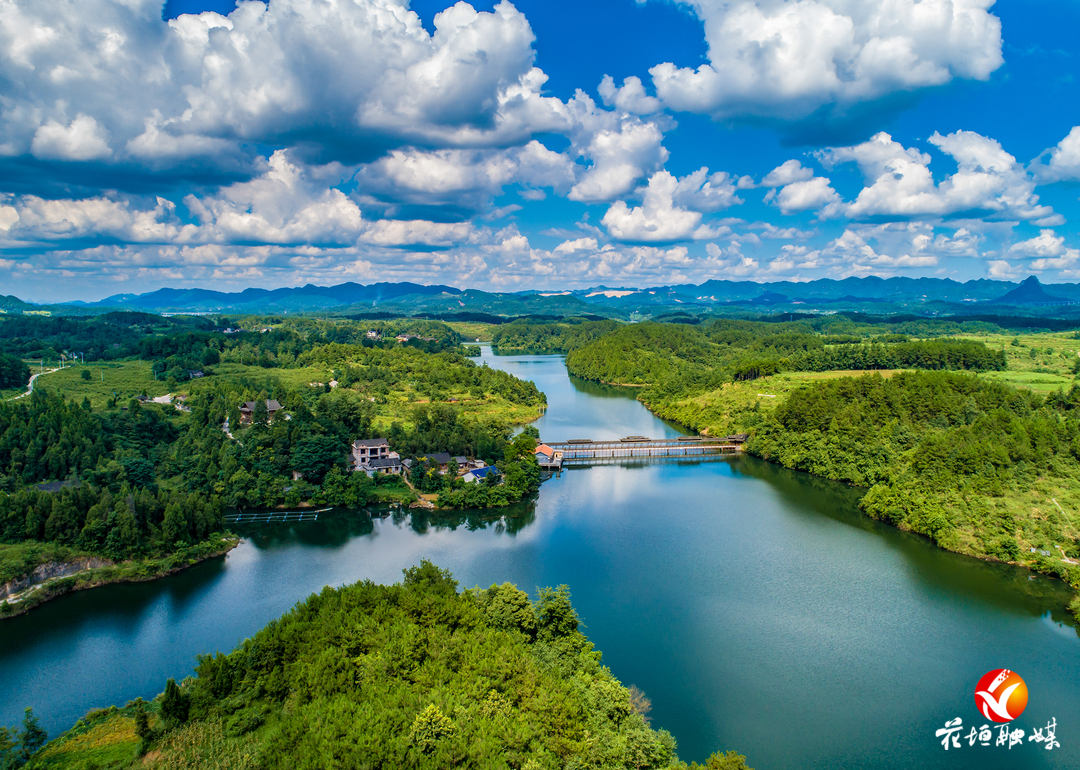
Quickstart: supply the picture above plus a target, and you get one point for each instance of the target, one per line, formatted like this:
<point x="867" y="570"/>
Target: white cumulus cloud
<point x="812" y="194"/>
<point x="1064" y="162"/>
<point x="988" y="180"/>
<point x="664" y="213"/>
<point x="84" y="139"/>
<point x="1046" y="244"/>
<point x="787" y="58"/>
<point x="630" y="97"/>
<point x="355" y="76"/>
<point x="786" y="173"/>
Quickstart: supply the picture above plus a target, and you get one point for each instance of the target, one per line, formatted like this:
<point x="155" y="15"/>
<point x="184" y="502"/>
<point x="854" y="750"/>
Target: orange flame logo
<point x="1001" y="695"/>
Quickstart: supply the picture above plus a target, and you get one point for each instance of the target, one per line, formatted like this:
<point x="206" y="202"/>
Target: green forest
<point x="136" y="480"/>
<point x="414" y="675"/>
<point x="548" y="337"/>
<point x="683" y="356"/>
<point x="14" y="373"/>
<point x="180" y="344"/>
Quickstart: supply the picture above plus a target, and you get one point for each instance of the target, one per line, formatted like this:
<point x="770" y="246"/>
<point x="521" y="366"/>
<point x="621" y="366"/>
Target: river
<point x="755" y="606"/>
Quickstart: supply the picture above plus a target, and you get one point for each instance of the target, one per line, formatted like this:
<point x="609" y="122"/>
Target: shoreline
<point x="141" y="571"/>
<point x="1073" y="606"/>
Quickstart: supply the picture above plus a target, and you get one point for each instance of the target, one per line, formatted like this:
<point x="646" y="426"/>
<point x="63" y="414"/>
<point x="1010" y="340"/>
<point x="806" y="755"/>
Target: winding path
<point x="30" y="385"/>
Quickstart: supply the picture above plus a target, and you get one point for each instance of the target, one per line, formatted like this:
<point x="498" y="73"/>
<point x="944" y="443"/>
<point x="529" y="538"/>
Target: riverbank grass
<point x="104" y="738"/>
<point x="393" y="489"/>
<point x="20" y="559"/>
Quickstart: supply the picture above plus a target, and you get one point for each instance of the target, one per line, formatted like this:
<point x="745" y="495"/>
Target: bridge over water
<point x="588" y="451"/>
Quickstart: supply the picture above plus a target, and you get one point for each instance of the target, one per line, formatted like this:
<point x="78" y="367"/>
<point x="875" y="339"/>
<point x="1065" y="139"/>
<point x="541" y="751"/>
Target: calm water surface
<point x="755" y="606"/>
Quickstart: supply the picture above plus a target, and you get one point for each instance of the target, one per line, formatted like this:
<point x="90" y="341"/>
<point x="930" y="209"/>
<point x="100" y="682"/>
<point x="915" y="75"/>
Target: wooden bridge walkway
<point x="587" y="451"/>
<point x="273" y="517"/>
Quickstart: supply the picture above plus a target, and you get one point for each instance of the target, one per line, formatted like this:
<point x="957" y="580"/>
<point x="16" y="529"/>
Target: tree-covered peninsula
<point x="416" y="675"/>
<point x="122" y="468"/>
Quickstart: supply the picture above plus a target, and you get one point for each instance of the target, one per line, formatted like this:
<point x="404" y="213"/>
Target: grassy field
<point x="471" y="331"/>
<point x="1040" y="362"/>
<point x="732" y="407"/>
<point x="126" y="379"/>
<point x="103" y="738"/>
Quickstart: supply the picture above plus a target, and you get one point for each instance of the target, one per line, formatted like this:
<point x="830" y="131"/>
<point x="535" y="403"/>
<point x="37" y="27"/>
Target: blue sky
<point x="534" y="145"/>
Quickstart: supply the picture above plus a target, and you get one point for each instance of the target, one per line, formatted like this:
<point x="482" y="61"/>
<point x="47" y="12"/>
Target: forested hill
<point x="725" y="350"/>
<point x="548" y="337"/>
<point x="183" y="341"/>
<point x="416" y="675"/>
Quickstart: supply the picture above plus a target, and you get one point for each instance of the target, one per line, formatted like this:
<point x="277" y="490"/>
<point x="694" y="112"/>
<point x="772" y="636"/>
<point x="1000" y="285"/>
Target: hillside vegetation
<point x="416" y="675"/>
<point x="680" y="357"/>
<point x="135" y="480"/>
<point x="980" y="467"/>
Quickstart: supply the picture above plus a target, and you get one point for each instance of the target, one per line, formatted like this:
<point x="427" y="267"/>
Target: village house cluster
<point x="374" y="455"/>
<point x="376" y="336"/>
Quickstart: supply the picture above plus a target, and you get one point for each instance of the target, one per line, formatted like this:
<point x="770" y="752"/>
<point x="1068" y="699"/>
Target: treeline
<point x="282" y="343"/>
<point x="180" y="344"/>
<point x="548" y="337"/>
<point x="130" y="523"/>
<point x="519" y="477"/>
<point x="45" y="437"/>
<point x="13" y="372"/>
<point x="980" y="467"/>
<point x="925" y="354"/>
<point x="418" y="675"/>
<point x="110" y="336"/>
<point x="110" y="501"/>
<point x="147" y="479"/>
<point x="307" y="457"/>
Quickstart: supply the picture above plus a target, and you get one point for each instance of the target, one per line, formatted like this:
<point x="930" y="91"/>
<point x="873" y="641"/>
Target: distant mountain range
<point x="308" y="297"/>
<point x="922" y="296"/>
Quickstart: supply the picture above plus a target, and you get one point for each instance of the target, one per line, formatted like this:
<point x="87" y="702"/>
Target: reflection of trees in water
<point x="600" y="390"/>
<point x="334" y="528"/>
<point x="342" y="524"/>
<point x="1014" y="589"/>
<point x="509" y="520"/>
<point x="115" y="608"/>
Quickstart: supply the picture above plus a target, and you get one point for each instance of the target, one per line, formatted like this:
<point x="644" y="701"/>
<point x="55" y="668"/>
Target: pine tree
<point x="174" y="705"/>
